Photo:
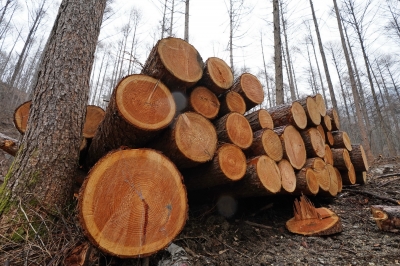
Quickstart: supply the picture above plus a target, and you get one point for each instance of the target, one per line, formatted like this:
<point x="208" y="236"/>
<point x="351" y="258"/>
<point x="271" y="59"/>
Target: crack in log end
<point x="152" y="92"/>
<point x="144" y="222"/>
<point x="169" y="210"/>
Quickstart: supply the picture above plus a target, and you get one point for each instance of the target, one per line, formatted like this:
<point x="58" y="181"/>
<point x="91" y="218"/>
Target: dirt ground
<point x="211" y="239"/>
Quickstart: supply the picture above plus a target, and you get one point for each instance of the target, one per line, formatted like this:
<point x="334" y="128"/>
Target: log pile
<point x="145" y="153"/>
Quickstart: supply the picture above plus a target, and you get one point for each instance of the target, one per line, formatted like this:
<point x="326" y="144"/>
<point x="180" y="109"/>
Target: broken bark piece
<point x="9" y="144"/>
<point x="267" y="142"/>
<point x="133" y="203"/>
<point x="311" y="221"/>
<point x="333" y="114"/>
<point x="234" y="128"/>
<point x="341" y="140"/>
<point x="231" y="102"/>
<point x="288" y="114"/>
<point x="203" y="101"/>
<point x="312" y="112"/>
<point x="293" y="146"/>
<point x="175" y="62"/>
<point x="260" y="119"/>
<point x="250" y="88"/>
<point x="359" y="158"/>
<point x="217" y="75"/>
<point x="387" y="218"/>
<point x="288" y="176"/>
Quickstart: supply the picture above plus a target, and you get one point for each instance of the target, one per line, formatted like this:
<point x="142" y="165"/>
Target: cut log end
<point x="387" y="218"/>
<point x="21" y="115"/>
<point x="232" y="161"/>
<point x="250" y="88"/>
<point x="204" y="102"/>
<point x="306" y="182"/>
<point x="359" y="158"/>
<point x="94" y="115"/>
<point x="220" y="74"/>
<point x="268" y="173"/>
<point x="299" y="115"/>
<point x="288" y="176"/>
<point x="333" y="114"/>
<point x="294" y="148"/>
<point x="145" y="102"/>
<point x="327" y="123"/>
<point x="265" y="119"/>
<point x="272" y="145"/>
<point x="319" y="100"/>
<point x="143" y="208"/>
<point x="341" y="140"/>
<point x="232" y="102"/>
<point x="311" y="221"/>
<point x="238" y="130"/>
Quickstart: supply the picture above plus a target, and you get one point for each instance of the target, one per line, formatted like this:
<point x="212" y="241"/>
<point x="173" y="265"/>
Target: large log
<point x="333" y="183"/>
<point x="140" y="107"/>
<point x="359" y="158"/>
<point x="328" y="158"/>
<point x="313" y="141"/>
<point x="234" y="128"/>
<point x="306" y="182"/>
<point x="319" y="100"/>
<point x="266" y="141"/>
<point x="189" y="141"/>
<point x="260" y="119"/>
<point x="228" y="165"/>
<point x="203" y="101"/>
<point x="341" y="159"/>
<point x="133" y="203"/>
<point x="311" y="109"/>
<point x="217" y="75"/>
<point x="340" y="181"/>
<point x="387" y="218"/>
<point x="326" y="122"/>
<point x="288" y="176"/>
<point x="341" y="140"/>
<point x="349" y="175"/>
<point x="175" y="62"/>
<point x="361" y="178"/>
<point x="322" y="132"/>
<point x="288" y="114"/>
<point x="293" y="146"/>
<point x="333" y="114"/>
<point x="9" y="144"/>
<point x="250" y="88"/>
<point x="321" y="172"/>
<point x="231" y="102"/>
<point x="329" y="138"/>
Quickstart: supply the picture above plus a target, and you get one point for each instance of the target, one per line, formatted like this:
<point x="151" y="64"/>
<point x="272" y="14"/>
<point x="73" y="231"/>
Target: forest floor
<point x="211" y="239"/>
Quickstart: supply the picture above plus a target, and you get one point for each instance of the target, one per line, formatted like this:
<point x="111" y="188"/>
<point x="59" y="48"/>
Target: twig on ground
<point x="397" y="202"/>
<point x="390" y="181"/>
<point x="258" y="225"/>
<point x="237" y="251"/>
<point x="388" y="175"/>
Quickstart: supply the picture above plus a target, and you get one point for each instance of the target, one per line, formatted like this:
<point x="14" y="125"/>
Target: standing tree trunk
<point x="278" y="55"/>
<point x="321" y="48"/>
<point x="41" y="177"/>
<point x="186" y="36"/>
<point x="265" y="73"/>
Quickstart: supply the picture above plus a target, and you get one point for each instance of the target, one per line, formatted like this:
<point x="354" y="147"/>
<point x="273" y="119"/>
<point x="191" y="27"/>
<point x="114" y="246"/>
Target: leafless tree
<point x="278" y="54"/>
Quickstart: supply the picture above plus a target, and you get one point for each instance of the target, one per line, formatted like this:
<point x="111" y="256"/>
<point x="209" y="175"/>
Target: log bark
<point x="306" y="182"/>
<point x="203" y="101"/>
<point x="175" y="62"/>
<point x="293" y="146"/>
<point x="361" y="178"/>
<point x="312" y="112"/>
<point x="231" y="102"/>
<point x="234" y="128"/>
<point x="328" y="158"/>
<point x="359" y="158"/>
<point x="288" y="176"/>
<point x="332" y="113"/>
<point x="314" y="143"/>
<point x="140" y="107"/>
<point x="135" y="211"/>
<point x="341" y="159"/>
<point x="288" y="114"/>
<point x="319" y="100"/>
<point x="189" y="141"/>
<point x="340" y="181"/>
<point x="341" y="140"/>
<point x="21" y="115"/>
<point x="9" y="144"/>
<point x="217" y="75"/>
<point x="267" y="142"/>
<point x="228" y="165"/>
<point x="260" y="119"/>
<point x="250" y="88"/>
<point x="387" y="218"/>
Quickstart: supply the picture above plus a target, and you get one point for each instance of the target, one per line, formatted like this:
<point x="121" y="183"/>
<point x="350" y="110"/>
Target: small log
<point x="319" y="100"/>
<point x="359" y="158"/>
<point x="288" y="176"/>
<point x="387" y="218"/>
<point x="190" y="141"/>
<point x="361" y="178"/>
<point x="203" y="101"/>
<point x="339" y="178"/>
<point x="175" y="62"/>
<point x="94" y="116"/>
<point x="333" y="183"/>
<point x="231" y="102"/>
<point x="341" y="140"/>
<point x="313" y="141"/>
<point x="267" y="142"/>
<point x="217" y="75"/>
<point x="328" y="158"/>
<point x="289" y="114"/>
<point x="260" y="119"/>
<point x="228" y="165"/>
<point x="312" y="112"/>
<point x="234" y="128"/>
<point x="341" y="159"/>
<point x="333" y="114"/>
<point x="293" y="146"/>
<point x="21" y="115"/>
<point x="322" y="132"/>
<point x="311" y="221"/>
<point x="140" y="107"/>
<point x="327" y="123"/>
<point x="250" y="88"/>
<point x="8" y="144"/>
<point x="306" y="182"/>
<point x="349" y="175"/>
<point x="329" y="138"/>
<point x="133" y="203"/>
<point x="321" y="173"/>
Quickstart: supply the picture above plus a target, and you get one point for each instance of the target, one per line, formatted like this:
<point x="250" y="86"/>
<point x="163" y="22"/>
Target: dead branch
<point x="397" y="202"/>
<point x="258" y="225"/>
<point x="9" y="144"/>
<point x="388" y="175"/>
